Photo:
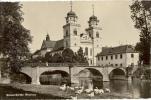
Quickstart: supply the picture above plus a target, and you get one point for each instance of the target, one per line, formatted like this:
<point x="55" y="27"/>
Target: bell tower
<point x="94" y="32"/>
<point x="71" y="31"/>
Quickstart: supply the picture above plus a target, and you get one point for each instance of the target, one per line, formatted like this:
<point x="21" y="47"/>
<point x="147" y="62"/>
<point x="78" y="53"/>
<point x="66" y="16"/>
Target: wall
<point x="133" y="60"/>
<point x="112" y="61"/>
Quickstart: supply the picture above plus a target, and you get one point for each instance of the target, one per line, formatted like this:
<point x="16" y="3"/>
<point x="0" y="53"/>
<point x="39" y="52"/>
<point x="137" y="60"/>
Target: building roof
<point x="117" y="50"/>
<point x="71" y="14"/>
<point x="36" y="52"/>
<point x="59" y="44"/>
<point x="48" y="44"/>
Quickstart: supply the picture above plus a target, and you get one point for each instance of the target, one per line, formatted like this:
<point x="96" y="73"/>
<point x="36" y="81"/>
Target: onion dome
<point x="94" y="18"/>
<point x="71" y="14"/>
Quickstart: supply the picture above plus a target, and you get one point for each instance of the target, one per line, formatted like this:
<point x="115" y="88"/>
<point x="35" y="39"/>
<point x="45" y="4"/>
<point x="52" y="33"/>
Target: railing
<point x="55" y="64"/>
<point x="67" y="65"/>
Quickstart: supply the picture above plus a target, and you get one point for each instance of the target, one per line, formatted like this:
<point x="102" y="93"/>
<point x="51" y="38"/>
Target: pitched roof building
<point x="117" y="50"/>
<point x="124" y="55"/>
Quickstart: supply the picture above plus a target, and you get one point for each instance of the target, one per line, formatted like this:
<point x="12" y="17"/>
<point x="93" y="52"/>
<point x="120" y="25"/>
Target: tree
<point x="48" y="57"/>
<point x="14" y="38"/>
<point x="141" y="15"/>
<point x="80" y="56"/>
<point x="57" y="58"/>
<point x="68" y="55"/>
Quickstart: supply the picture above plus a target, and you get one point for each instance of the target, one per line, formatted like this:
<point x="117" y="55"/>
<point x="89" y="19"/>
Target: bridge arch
<point x="117" y="73"/>
<point x="54" y="77"/>
<point x="90" y="78"/>
<point x="22" y="78"/>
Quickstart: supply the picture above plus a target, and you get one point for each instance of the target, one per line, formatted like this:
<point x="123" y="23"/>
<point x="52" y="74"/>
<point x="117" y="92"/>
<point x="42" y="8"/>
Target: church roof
<point x="117" y="50"/>
<point x="48" y="44"/>
<point x="93" y="18"/>
<point x="59" y="44"/>
<point x="71" y="14"/>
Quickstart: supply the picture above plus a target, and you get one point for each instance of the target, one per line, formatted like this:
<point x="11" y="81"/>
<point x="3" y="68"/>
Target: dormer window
<point x="75" y="32"/>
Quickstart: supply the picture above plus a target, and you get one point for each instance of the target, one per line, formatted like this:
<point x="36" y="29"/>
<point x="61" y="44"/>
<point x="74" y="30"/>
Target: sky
<point x="48" y="17"/>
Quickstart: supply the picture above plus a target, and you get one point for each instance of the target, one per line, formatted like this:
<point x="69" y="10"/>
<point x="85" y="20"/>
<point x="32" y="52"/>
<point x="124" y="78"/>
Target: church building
<point x="73" y="38"/>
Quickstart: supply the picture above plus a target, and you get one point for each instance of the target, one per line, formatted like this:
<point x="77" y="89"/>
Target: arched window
<point x="86" y="51"/>
<point x="66" y="43"/>
<point x="75" y="32"/>
<point x="67" y="34"/>
<point x="97" y="34"/>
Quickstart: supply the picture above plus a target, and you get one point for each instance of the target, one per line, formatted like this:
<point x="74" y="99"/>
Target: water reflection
<point x="136" y="89"/>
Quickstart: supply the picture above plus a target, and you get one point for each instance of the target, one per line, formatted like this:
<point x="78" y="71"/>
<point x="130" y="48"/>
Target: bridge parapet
<point x="55" y="64"/>
<point x="67" y="65"/>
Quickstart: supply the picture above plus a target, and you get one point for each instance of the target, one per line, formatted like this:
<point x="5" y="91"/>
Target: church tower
<point x="71" y="31"/>
<point x="94" y="32"/>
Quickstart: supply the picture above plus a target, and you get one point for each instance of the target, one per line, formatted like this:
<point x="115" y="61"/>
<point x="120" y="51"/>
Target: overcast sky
<point x="49" y="17"/>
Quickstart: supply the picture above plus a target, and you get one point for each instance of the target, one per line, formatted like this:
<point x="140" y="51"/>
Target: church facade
<point x="73" y="38"/>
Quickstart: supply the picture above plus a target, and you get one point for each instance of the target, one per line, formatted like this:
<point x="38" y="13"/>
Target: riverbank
<point x="7" y="92"/>
<point x="56" y="92"/>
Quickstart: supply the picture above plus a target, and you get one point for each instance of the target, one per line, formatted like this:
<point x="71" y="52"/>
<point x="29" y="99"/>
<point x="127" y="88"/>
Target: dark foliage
<point x="141" y="15"/>
<point x="14" y="38"/>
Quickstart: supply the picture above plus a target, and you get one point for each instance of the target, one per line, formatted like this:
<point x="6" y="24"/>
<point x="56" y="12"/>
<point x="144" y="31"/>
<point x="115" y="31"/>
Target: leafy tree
<point x="38" y="59"/>
<point x="141" y="15"/>
<point x="14" y="38"/>
<point x="80" y="56"/>
<point x="48" y="57"/>
<point x="57" y="58"/>
<point x="68" y="55"/>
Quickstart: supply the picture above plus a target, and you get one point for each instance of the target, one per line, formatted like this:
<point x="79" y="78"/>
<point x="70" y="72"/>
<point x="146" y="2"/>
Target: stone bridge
<point x="35" y="72"/>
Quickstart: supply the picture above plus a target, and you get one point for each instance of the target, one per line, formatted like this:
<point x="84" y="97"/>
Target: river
<point x="134" y="89"/>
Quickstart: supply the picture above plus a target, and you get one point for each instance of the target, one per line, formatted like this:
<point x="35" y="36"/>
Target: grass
<point x="52" y="91"/>
<point x="9" y="92"/>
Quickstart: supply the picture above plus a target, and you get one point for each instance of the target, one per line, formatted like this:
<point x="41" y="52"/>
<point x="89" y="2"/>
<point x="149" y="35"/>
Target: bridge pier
<point x="35" y="81"/>
<point x="35" y="76"/>
<point x="74" y="80"/>
<point x="106" y="78"/>
<point x="129" y="79"/>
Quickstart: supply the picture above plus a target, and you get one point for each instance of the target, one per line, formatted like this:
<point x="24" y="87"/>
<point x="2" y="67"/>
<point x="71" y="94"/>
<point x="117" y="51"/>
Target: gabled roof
<point x="48" y="44"/>
<point x="117" y="50"/>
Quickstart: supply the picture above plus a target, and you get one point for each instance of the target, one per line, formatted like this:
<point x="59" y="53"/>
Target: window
<point x="116" y="64"/>
<point x="116" y="56"/>
<point x="97" y="34"/>
<point x="132" y="55"/>
<point x="98" y="58"/>
<point x="121" y="56"/>
<point x="67" y="34"/>
<point x="90" y="35"/>
<point x="91" y="52"/>
<point x="66" y="44"/>
<point x="91" y="61"/>
<point x="75" y="32"/>
<point x="111" y="57"/>
<point x="121" y="65"/>
<point x="86" y="51"/>
<point x="106" y="57"/>
<point x="102" y="58"/>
